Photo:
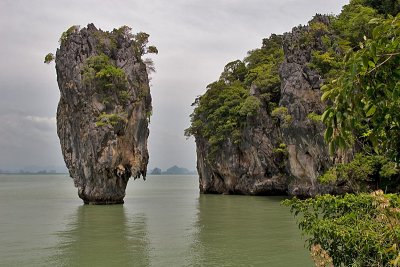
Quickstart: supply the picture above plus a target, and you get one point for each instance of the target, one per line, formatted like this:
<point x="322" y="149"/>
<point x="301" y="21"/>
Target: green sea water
<point x="164" y="222"/>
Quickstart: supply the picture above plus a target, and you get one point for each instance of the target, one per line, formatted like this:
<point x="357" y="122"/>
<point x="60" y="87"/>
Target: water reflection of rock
<point x="103" y="236"/>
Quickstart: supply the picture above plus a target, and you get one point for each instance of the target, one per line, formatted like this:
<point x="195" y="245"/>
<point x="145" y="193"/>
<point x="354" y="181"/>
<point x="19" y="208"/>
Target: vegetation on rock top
<point x="227" y="107"/>
<point x="101" y="73"/>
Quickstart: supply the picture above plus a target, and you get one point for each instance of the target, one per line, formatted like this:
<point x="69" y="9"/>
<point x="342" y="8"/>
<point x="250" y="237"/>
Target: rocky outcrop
<point x="102" y="113"/>
<point x="308" y="156"/>
<point x="249" y="168"/>
<point x="275" y="157"/>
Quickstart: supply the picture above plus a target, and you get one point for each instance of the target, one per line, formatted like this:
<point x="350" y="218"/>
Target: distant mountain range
<point x="35" y="170"/>
<point x="174" y="170"/>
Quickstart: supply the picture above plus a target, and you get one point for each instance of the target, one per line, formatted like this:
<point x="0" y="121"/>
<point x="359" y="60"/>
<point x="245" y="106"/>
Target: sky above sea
<point x="195" y="40"/>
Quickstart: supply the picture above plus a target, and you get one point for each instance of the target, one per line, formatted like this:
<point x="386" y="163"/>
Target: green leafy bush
<point x="109" y="119"/>
<point x="391" y="7"/>
<point x="280" y="155"/>
<point x="221" y="113"/>
<point x="282" y="116"/>
<point x="124" y="96"/>
<point x="324" y="62"/>
<point x="314" y="117"/>
<point x="375" y="172"/>
<point x="101" y="71"/>
<point x="351" y="230"/>
<point x="353" y="23"/>
<point x="49" y="58"/>
<point x="250" y="106"/>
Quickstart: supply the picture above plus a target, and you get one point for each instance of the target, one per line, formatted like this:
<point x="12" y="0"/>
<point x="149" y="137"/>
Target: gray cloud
<point x="195" y="39"/>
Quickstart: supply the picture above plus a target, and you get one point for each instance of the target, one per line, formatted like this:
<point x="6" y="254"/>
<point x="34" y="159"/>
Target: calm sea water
<point x="164" y="222"/>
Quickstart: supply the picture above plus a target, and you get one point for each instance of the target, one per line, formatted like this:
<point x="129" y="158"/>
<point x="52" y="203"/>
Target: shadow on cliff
<point x="103" y="236"/>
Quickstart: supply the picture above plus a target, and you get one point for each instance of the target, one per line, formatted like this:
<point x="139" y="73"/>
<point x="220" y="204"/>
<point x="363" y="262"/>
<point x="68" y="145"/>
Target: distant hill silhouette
<point x="156" y="171"/>
<point x="174" y="170"/>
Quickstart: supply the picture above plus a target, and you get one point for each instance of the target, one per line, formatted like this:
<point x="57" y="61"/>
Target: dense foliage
<point x="101" y="71"/>
<point x="366" y="94"/>
<point x="365" y="173"/>
<point x="351" y="230"/>
<point x="222" y="112"/>
<point x="110" y="119"/>
<point x="226" y="108"/>
<point x="391" y="7"/>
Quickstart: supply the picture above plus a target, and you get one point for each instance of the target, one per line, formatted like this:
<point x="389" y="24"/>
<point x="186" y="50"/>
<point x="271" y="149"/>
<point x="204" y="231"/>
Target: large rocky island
<point x="259" y="128"/>
<point x="104" y="107"/>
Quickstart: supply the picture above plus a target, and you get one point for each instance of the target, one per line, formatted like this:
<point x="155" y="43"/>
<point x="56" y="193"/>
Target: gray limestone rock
<point x="254" y="167"/>
<point x="102" y="127"/>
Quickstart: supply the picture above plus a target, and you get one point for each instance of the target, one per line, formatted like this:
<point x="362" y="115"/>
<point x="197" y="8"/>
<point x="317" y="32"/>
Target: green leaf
<point x="328" y="133"/>
<point x="325" y="115"/>
<point x="331" y="147"/>
<point x="365" y="60"/>
<point x="371" y="111"/>
<point x="373" y="50"/>
<point x="371" y="64"/>
<point x="339" y="116"/>
<point x="341" y="142"/>
<point x="326" y="95"/>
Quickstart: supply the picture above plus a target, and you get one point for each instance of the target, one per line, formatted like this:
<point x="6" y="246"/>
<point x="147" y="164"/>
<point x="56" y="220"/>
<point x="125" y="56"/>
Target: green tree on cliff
<point x="221" y="114"/>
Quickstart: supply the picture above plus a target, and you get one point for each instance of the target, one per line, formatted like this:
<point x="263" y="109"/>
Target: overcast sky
<point x="195" y="39"/>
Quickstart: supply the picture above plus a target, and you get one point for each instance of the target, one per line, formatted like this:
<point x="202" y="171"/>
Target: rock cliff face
<point x="259" y="165"/>
<point x="308" y="155"/>
<point x="249" y="168"/>
<point x="102" y="113"/>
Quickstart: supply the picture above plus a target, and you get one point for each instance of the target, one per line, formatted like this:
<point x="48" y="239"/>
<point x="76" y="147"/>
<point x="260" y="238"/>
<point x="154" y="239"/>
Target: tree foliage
<point x="281" y="115"/>
<point x="221" y="114"/>
<point x="365" y="173"/>
<point x="391" y="7"/>
<point x="110" y="119"/>
<point x="353" y="23"/>
<point x="101" y="71"/>
<point x="351" y="230"/>
<point x="367" y="92"/>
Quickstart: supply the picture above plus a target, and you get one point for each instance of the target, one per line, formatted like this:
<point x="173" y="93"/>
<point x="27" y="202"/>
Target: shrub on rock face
<point x="282" y="116"/>
<point x="103" y="72"/>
